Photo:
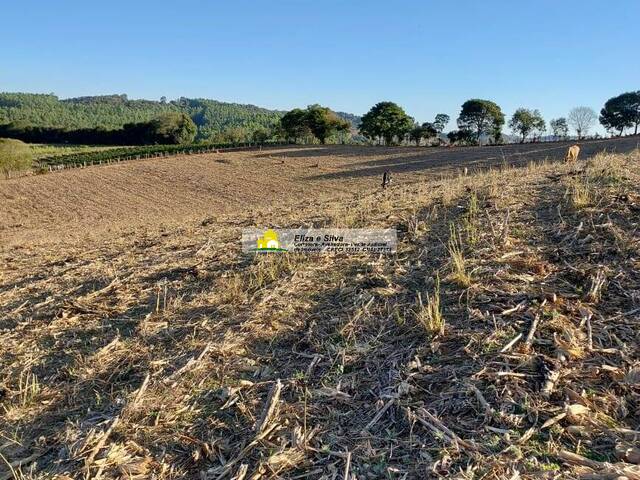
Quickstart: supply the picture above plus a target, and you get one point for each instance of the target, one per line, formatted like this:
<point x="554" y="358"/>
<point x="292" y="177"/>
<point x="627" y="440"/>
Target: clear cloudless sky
<point x="427" y="56"/>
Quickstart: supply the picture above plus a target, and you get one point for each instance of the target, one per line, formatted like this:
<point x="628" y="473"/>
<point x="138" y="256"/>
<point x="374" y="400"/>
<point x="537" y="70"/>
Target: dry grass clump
<point x="231" y="290"/>
<point x="601" y="176"/>
<point x="270" y="267"/>
<point x="23" y="396"/>
<point x="457" y="260"/>
<point x="470" y="219"/>
<point x="582" y="192"/>
<point x="429" y="315"/>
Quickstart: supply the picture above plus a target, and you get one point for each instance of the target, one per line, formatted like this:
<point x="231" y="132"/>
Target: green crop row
<point x="80" y="159"/>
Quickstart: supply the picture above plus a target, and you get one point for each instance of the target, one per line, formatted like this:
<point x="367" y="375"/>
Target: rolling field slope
<point x="502" y="341"/>
<point x="169" y="191"/>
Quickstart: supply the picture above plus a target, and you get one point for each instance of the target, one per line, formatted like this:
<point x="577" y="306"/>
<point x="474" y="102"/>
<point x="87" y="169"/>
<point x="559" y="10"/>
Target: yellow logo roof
<point x="268" y="241"/>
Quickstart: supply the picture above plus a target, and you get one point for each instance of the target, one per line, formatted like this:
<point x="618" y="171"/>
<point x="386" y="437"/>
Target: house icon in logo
<point x="268" y="241"/>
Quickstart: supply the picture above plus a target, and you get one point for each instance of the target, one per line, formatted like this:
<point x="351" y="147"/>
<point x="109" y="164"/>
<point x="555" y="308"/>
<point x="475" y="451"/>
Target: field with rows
<point x="43" y="151"/>
<point x="502" y="341"/>
<point x="170" y="190"/>
<point x="50" y="157"/>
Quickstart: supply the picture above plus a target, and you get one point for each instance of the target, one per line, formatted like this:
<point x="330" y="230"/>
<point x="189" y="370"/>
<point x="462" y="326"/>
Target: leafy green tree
<point x="415" y="135"/>
<point x="429" y="130"/>
<point x="539" y="126"/>
<point x="613" y="121"/>
<point x="316" y="120"/>
<point x="525" y="121"/>
<point x="559" y="127"/>
<point x="482" y="117"/>
<point x="496" y="134"/>
<point x="621" y="112"/>
<point x="294" y="124"/>
<point x="260" y="135"/>
<point x="173" y="128"/>
<point x="14" y="156"/>
<point x="235" y="135"/>
<point x="582" y="119"/>
<point x="386" y="120"/>
<point x="463" y="137"/>
<point x="418" y="132"/>
<point x="441" y="121"/>
<point x="323" y="122"/>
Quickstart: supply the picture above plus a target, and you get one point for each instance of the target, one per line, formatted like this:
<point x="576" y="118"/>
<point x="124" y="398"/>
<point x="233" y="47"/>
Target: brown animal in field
<point x="572" y="153"/>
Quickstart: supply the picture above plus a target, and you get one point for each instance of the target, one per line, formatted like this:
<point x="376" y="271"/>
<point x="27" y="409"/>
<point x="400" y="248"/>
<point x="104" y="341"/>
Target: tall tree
<point x="324" y="123"/>
<point x="441" y="121"/>
<point x="539" y="126"/>
<point x="173" y="127"/>
<point x="525" y="121"/>
<point x="582" y="119"/>
<point x="295" y="125"/>
<point x="426" y="131"/>
<point x="416" y="134"/>
<point x="235" y="135"/>
<point x="621" y="112"/>
<point x="386" y="120"/>
<point x="482" y="117"/>
<point x="429" y="130"/>
<point x="559" y="127"/>
<point x="260" y="135"/>
<point x="316" y="120"/>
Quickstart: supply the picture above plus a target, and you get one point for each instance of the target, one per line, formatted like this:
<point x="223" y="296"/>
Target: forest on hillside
<point x="113" y="111"/>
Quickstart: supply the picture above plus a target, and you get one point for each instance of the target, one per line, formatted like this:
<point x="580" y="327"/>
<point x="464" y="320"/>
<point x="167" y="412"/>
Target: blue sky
<point x="427" y="56"/>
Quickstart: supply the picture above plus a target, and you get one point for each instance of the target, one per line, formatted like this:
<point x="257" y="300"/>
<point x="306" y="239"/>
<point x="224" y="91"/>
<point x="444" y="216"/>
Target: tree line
<point x="479" y="120"/>
<point x="100" y="120"/>
<point x="167" y="128"/>
<point x="213" y="119"/>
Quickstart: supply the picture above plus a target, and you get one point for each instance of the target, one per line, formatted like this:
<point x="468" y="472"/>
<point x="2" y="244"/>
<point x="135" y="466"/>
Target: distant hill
<point x="113" y="111"/>
<point x="351" y="118"/>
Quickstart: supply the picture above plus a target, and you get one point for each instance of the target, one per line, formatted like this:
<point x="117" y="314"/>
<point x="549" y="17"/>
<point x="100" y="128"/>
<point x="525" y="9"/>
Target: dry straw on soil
<point x="168" y="354"/>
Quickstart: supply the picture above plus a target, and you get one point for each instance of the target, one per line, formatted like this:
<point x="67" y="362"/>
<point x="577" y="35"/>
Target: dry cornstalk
<point x="241" y="473"/>
<point x="347" y="465"/>
<point x="435" y="425"/>
<point x="532" y="331"/>
<point x="272" y="404"/>
<point x="224" y="470"/>
<point x="508" y="346"/>
<point x="489" y="411"/>
<point x="608" y="470"/>
<point x="96" y="449"/>
<point x="193" y="361"/>
<point x="140" y="392"/>
<point x="379" y="414"/>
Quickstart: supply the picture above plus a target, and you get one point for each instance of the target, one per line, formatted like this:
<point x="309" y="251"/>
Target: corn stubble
<point x="169" y="354"/>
